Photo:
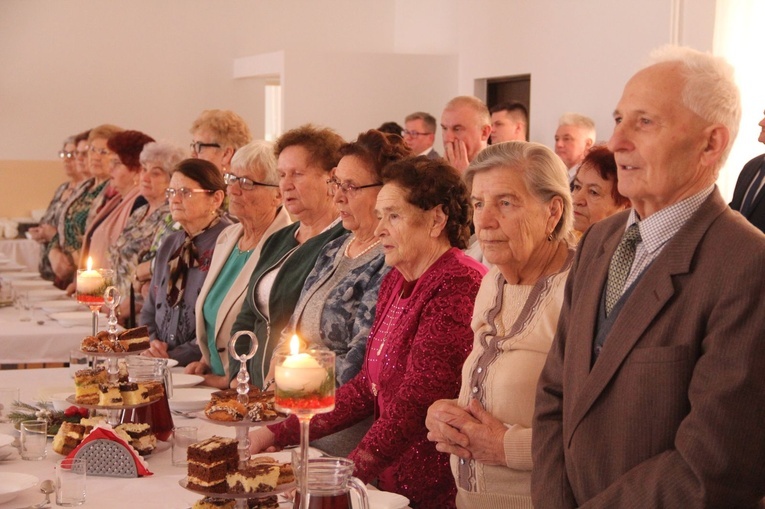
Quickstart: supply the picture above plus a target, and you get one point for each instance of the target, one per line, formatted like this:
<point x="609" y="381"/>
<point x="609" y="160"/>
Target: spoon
<point x="46" y="487"/>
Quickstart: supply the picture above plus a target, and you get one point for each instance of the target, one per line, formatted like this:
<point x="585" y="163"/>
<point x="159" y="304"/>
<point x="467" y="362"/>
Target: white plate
<point x="386" y="500"/>
<point x="12" y="484"/>
<point x="32" y="284"/>
<point x="73" y="318"/>
<point x="185" y="380"/>
<point x="171" y="363"/>
<point x="190" y="400"/>
<point x="51" y="294"/>
<point x="5" y="440"/>
<point x="58" y="306"/>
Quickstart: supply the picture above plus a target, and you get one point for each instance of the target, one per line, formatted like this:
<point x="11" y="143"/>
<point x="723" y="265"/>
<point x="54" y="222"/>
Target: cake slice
<point x="86" y="383"/>
<point x="109" y="395"/>
<point x="209" y="462"/>
<point x="133" y="340"/>
<point x="141" y="437"/>
<point x="253" y="477"/>
<point x="133" y="394"/>
<point x="68" y="437"/>
<point x="215" y="503"/>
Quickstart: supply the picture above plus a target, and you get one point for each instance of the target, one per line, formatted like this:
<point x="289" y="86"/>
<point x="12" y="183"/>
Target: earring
<point x="550" y="238"/>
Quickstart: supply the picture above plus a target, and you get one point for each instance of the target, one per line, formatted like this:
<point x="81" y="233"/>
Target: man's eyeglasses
<point x="412" y="134"/>
<point x="197" y="146"/>
<point x="244" y="183"/>
<point x="349" y="189"/>
<point x="184" y="192"/>
<point x="101" y="151"/>
<point x="67" y="155"/>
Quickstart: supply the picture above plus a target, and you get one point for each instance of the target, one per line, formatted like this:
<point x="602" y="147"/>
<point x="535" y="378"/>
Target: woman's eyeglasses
<point x="349" y="189"/>
<point x="244" y="183"/>
<point x="197" y="146"/>
<point x="184" y="193"/>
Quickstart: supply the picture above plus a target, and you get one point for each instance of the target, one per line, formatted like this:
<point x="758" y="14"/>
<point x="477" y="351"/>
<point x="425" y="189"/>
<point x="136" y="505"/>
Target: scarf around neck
<point x="181" y="262"/>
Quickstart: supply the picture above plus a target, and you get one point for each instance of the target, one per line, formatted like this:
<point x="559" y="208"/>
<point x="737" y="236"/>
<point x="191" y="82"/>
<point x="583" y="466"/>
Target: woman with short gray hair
<point x="523" y="220"/>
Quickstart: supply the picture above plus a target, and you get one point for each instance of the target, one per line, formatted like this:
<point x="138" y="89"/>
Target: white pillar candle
<point x="299" y="371"/>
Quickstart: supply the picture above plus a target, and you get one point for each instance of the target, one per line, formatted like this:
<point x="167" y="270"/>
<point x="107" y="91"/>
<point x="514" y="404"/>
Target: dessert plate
<point x="181" y="380"/>
<point x="386" y="500"/>
<point x="190" y="400"/>
<point x="11" y="484"/>
<point x="73" y="318"/>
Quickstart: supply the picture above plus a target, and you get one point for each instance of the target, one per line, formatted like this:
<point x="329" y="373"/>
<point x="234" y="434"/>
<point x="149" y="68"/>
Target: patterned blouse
<point x="51" y="217"/>
<point x="76" y="217"/>
<point x="134" y="246"/>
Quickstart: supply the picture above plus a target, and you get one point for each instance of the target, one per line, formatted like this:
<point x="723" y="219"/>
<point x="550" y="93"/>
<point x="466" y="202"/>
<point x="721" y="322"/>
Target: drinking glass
<point x="70" y="482"/>
<point x="34" y="438"/>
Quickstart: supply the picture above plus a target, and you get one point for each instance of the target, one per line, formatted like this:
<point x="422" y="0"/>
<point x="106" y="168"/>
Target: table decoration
<point x="305" y="386"/>
<point x="43" y="410"/>
<point x="90" y="286"/>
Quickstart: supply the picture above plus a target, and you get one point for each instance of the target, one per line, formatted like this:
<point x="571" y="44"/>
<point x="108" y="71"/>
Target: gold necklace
<point x="365" y="251"/>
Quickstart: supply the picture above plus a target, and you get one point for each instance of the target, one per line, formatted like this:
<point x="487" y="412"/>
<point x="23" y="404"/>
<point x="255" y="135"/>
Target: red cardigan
<point x="423" y="364"/>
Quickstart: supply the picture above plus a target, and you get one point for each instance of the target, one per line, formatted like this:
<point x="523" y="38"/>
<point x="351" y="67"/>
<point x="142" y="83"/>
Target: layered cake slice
<point x="209" y="462"/>
<point x="109" y="395"/>
<point x="141" y="437"/>
<point x="253" y="477"/>
<point x="86" y="383"/>
<point x="133" y="340"/>
<point x="68" y="437"/>
<point x="133" y="394"/>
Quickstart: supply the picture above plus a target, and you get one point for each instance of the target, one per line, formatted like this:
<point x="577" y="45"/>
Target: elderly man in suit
<point x="652" y="394"/>
<point x="748" y="197"/>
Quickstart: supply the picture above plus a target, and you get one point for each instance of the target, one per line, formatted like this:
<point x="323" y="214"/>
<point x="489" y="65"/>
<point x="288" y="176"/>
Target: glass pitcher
<point x="330" y="483"/>
<point x="157" y="415"/>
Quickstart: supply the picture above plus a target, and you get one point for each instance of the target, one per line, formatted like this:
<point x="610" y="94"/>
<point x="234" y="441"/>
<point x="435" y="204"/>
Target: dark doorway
<point x="508" y="88"/>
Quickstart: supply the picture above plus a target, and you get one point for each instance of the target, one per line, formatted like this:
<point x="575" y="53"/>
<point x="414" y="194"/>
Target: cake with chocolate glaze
<point x="209" y="462"/>
<point x="134" y="340"/>
<point x="253" y="477"/>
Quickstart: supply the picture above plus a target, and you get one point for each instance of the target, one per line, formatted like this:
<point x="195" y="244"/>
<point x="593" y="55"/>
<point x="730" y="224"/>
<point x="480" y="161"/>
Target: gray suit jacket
<point x="671" y="414"/>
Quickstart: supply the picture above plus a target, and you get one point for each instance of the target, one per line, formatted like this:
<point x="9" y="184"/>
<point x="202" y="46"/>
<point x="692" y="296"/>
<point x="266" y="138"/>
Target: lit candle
<point x="89" y="281"/>
<point x="299" y="371"/>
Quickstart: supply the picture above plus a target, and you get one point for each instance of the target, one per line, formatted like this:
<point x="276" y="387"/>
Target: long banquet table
<point x="34" y="343"/>
<point x="160" y="491"/>
<point x="24" y="252"/>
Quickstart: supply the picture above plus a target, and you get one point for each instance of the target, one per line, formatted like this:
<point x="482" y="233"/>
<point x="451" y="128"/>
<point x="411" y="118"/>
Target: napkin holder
<point x="106" y="454"/>
<point x="107" y="458"/>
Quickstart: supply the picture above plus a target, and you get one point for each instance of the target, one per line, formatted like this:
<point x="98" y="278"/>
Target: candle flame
<point x="90" y="263"/>
<point x="294" y="345"/>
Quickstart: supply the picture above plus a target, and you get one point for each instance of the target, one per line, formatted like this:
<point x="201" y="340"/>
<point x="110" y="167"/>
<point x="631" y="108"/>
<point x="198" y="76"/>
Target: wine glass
<point x="305" y="386"/>
<point x="91" y="285"/>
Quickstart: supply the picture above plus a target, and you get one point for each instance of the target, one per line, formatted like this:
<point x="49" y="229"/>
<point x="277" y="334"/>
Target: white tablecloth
<point x="160" y="491"/>
<point x="29" y="342"/>
<point x="23" y="251"/>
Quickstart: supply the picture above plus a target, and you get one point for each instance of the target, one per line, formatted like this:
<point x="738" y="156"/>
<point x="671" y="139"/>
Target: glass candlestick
<point x="90" y="287"/>
<point x="243" y="386"/>
<point x="305" y="386"/>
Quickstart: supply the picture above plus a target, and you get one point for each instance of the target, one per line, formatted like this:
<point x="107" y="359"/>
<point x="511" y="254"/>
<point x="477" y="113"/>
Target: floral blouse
<point x="134" y="246"/>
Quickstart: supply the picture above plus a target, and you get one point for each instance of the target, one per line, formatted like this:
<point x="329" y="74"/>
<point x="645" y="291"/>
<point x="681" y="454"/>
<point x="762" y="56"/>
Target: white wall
<point x="66" y="66"/>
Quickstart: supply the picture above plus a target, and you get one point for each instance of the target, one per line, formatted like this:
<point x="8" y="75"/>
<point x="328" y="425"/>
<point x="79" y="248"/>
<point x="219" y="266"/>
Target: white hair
<point x="585" y="123"/>
<point x="710" y="89"/>
<point x="257" y="154"/>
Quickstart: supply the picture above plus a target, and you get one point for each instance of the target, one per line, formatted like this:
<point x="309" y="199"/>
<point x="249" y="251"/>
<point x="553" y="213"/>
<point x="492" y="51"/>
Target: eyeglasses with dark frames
<point x="184" y="192"/>
<point x="244" y="183"/>
<point x="197" y="146"/>
<point x="412" y="134"/>
<point x="349" y="189"/>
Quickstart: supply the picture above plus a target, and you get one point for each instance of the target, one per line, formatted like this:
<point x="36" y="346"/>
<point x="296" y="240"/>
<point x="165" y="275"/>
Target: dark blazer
<point x="756" y="215"/>
<point x="433" y="154"/>
<point x="671" y="414"/>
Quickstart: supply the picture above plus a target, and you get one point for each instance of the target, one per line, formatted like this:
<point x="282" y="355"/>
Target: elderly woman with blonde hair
<point x="216" y="135"/>
<point x="523" y="221"/>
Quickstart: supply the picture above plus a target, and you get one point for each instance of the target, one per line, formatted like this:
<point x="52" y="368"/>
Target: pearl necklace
<point x="365" y="251"/>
